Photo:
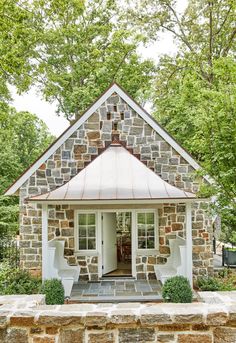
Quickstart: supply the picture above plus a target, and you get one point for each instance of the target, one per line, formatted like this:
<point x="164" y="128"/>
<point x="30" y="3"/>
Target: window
<point x="146" y="230"/>
<point x="86" y="231"/>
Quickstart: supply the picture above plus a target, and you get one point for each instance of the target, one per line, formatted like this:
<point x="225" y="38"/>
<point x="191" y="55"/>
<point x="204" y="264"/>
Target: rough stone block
<point x="198" y="241"/>
<point x="165" y="338"/>
<point x="195" y="338"/>
<point x="139" y="335"/>
<point x="16" y="335"/>
<point x="93" y="135"/>
<point x="52" y="318"/>
<point x="71" y="336"/>
<point x="123" y="317"/>
<point x="216" y="316"/>
<point x="95" y="319"/>
<point x="136" y="131"/>
<point x="177" y="226"/>
<point x="101" y="337"/>
<point x="22" y="319"/>
<point x="164" y="250"/>
<point x="41" y="339"/>
<point x="165" y="146"/>
<point x="225" y="335"/>
<point x="154" y="316"/>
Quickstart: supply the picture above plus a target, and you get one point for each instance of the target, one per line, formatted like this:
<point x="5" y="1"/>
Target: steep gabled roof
<point x="116" y="174"/>
<point x="114" y="88"/>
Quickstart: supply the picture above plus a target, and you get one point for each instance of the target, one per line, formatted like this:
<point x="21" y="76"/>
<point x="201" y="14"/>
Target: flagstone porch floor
<point x="117" y="290"/>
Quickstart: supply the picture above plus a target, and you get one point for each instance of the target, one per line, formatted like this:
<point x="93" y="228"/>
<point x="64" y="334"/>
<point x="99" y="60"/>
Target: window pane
<point x="91" y="243"/>
<point x="141" y="232"/>
<point x="82" y="231"/>
<point x="82" y="244"/>
<point x="150" y="243"/>
<point x="150" y="218"/>
<point x="141" y="218"/>
<point x="150" y="230"/>
<point x="91" y="219"/>
<point x="146" y="230"/>
<point x="87" y="231"/>
<point x="82" y="219"/>
<point x="91" y="231"/>
<point x="141" y="243"/>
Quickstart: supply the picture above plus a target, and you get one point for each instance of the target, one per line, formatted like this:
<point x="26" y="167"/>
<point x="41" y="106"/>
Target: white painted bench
<point x="176" y="262"/>
<point x="59" y="268"/>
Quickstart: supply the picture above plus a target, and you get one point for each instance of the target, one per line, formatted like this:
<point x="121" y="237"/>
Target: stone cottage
<point x="116" y="189"/>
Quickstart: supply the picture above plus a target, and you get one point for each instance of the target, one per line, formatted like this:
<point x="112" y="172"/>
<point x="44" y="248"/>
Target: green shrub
<point x="177" y="289"/>
<point x="54" y="292"/>
<point x="208" y="284"/>
<point x="17" y="281"/>
<point x="224" y="273"/>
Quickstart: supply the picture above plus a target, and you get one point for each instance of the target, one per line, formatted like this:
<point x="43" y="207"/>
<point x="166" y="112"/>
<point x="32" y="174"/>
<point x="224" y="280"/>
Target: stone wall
<point x="113" y="118"/>
<point x="27" y="320"/>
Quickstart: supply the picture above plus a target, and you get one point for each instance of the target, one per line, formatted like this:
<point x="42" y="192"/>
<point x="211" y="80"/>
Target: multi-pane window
<point x="87" y="231"/>
<point x="146" y="230"/>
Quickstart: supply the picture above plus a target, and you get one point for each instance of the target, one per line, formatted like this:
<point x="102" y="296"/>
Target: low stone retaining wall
<point x="26" y="319"/>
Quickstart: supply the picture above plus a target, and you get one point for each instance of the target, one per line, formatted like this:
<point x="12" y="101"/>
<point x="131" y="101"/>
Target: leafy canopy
<point x="71" y="50"/>
<point x="194" y="92"/>
<point x="23" y="137"/>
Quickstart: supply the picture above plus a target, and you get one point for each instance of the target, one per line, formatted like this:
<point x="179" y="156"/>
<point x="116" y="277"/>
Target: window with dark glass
<point x="146" y="230"/>
<point x="86" y="231"/>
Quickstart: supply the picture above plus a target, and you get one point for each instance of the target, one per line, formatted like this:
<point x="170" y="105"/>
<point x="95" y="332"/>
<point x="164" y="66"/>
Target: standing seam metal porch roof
<point x="115" y="174"/>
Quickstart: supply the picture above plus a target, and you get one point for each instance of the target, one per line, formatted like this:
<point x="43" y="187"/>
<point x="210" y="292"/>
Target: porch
<point x="126" y="185"/>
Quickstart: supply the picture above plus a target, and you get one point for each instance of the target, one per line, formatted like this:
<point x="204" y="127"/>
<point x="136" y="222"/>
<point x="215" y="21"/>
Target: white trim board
<point x="114" y="88"/>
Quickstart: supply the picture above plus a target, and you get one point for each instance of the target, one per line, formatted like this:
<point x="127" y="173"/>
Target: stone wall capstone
<point x="25" y="319"/>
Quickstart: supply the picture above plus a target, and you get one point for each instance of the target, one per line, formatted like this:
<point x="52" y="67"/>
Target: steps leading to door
<point x="117" y="278"/>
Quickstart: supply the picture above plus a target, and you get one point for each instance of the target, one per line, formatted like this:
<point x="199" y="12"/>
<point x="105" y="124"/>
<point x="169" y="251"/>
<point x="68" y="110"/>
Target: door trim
<point x="133" y="239"/>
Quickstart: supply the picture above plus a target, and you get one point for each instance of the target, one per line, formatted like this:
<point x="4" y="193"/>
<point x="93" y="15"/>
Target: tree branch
<point x="228" y="46"/>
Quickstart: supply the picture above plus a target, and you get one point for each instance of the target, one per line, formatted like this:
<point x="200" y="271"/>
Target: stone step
<point x="115" y="299"/>
<point x="117" y="278"/>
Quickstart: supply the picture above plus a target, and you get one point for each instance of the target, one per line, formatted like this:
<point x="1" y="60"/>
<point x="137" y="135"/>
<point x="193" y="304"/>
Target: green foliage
<point x="17" y="281"/>
<point x="17" y="45"/>
<point x="194" y="93"/>
<point x="208" y="284"/>
<point x="71" y="51"/>
<point x="54" y="292"/>
<point x="177" y="290"/>
<point x="225" y="281"/>
<point x="23" y="137"/>
<point x="9" y="215"/>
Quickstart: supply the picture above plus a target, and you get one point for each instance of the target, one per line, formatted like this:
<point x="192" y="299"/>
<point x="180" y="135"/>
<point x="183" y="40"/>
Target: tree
<point x="17" y="45"/>
<point x="22" y="138"/>
<point x="71" y="50"/>
<point x="194" y="93"/>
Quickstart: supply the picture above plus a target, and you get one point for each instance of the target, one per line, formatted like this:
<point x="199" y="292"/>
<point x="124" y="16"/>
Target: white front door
<point x="109" y="242"/>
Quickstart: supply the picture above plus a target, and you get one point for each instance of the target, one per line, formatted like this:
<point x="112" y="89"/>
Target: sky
<point x="33" y="102"/>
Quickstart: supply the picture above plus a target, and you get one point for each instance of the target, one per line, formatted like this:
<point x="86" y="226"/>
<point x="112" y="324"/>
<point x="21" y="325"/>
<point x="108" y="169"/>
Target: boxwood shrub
<point x="54" y="292"/>
<point x="17" y="281"/>
<point x="177" y="289"/>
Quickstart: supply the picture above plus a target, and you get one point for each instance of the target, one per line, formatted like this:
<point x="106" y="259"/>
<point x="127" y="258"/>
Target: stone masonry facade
<point x="25" y="319"/>
<point x="113" y="119"/>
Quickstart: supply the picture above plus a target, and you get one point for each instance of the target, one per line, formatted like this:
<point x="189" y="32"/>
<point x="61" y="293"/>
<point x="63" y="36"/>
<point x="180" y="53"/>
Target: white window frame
<point x="156" y="232"/>
<point x="88" y="252"/>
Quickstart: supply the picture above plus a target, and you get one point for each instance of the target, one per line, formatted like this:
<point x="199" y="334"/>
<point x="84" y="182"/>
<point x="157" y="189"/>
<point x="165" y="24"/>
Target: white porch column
<point x="189" y="243"/>
<point x="44" y="241"/>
